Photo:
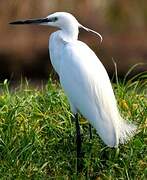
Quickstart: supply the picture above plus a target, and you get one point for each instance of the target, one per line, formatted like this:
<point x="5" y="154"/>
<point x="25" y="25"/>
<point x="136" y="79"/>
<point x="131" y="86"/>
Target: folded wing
<point x="88" y="88"/>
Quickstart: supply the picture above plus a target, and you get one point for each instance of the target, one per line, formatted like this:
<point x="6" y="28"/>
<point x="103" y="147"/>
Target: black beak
<point x="30" y="21"/>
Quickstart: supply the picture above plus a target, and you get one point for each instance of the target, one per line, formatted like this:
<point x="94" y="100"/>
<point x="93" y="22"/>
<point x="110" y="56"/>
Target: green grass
<point x="37" y="137"/>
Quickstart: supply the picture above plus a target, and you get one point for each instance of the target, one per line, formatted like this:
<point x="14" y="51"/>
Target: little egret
<point x="84" y="80"/>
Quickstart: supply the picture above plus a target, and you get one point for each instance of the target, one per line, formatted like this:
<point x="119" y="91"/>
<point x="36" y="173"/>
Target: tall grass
<point x="37" y="136"/>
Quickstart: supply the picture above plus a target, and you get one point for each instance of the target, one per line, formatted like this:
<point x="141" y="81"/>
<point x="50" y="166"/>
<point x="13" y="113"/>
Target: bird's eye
<point x="54" y="19"/>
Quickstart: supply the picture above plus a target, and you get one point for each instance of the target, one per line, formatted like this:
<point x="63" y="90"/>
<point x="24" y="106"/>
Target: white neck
<point x="69" y="33"/>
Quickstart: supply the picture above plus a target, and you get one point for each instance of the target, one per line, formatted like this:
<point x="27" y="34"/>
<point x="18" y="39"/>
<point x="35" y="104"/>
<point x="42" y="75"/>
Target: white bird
<point x="84" y="79"/>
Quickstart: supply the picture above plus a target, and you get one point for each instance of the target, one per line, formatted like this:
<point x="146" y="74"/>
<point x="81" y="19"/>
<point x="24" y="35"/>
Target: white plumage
<point x="86" y="83"/>
<point x="84" y="79"/>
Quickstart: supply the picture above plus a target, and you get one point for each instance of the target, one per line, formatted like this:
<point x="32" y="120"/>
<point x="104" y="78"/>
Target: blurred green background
<point x="24" y="49"/>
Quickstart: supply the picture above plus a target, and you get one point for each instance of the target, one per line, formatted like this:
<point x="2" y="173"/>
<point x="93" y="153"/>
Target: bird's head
<point x="61" y="20"/>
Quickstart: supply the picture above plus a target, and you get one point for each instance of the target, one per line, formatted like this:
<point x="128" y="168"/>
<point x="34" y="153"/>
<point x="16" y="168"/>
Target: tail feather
<point x="126" y="131"/>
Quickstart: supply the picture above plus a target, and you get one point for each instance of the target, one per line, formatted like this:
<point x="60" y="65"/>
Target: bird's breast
<point x="55" y="50"/>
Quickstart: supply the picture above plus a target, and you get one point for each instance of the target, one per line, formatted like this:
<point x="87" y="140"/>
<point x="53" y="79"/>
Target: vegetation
<point x="37" y="136"/>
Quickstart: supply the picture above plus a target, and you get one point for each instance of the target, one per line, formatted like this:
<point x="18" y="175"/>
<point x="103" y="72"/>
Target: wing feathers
<point x="88" y="88"/>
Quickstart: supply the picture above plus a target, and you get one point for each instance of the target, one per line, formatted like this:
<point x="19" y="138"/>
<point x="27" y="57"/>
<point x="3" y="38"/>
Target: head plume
<point x="90" y="30"/>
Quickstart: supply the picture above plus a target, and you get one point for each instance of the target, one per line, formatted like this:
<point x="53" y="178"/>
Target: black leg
<point x="90" y="131"/>
<point x="78" y="140"/>
<point x="79" y="145"/>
